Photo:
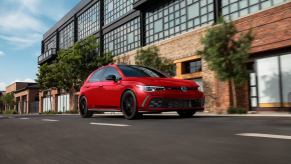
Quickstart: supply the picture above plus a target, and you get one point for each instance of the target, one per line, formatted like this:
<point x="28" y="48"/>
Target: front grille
<point x="180" y="89"/>
<point x="175" y="103"/>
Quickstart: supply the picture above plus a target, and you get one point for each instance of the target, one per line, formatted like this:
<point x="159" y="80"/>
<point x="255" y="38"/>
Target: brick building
<point x="25" y="96"/>
<point x="176" y="27"/>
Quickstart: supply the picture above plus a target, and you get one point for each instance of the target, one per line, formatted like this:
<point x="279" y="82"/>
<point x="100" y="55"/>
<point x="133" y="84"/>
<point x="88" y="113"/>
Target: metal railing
<point x="48" y="54"/>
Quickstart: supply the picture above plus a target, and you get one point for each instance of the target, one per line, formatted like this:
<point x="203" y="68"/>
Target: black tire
<point x="84" y="112"/>
<point x="186" y="113"/>
<point x="128" y="106"/>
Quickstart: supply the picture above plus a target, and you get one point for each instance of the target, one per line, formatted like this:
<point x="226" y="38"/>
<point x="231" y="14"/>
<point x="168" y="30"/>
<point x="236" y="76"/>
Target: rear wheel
<point x="84" y="112"/>
<point x="129" y="106"/>
<point x="186" y="113"/>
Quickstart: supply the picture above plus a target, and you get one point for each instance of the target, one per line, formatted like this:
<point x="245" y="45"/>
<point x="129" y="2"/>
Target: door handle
<point x="87" y="87"/>
<point x="100" y="86"/>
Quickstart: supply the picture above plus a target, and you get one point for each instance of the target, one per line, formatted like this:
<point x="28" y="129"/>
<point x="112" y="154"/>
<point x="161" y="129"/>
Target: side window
<point x="97" y="76"/>
<point x="111" y="71"/>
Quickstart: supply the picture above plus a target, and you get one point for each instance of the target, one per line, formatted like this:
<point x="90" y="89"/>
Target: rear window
<point x="139" y="71"/>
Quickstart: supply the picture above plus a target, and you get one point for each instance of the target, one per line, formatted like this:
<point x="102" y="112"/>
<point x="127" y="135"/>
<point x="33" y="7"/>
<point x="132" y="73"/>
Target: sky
<point x="22" y="25"/>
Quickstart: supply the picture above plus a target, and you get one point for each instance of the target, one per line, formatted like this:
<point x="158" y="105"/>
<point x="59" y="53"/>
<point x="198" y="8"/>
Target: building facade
<point x="25" y="95"/>
<point x="176" y="27"/>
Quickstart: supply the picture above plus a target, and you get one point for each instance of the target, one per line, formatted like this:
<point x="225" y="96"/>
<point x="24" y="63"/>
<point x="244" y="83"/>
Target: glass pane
<point x="193" y="11"/>
<point x="277" y="1"/>
<point x="268" y="82"/>
<point x="158" y="26"/>
<point x="253" y="79"/>
<point x="254" y="102"/>
<point x="286" y="79"/>
<point x="253" y="91"/>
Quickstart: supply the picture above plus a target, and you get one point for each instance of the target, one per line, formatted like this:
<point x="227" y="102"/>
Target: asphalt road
<point x="154" y="139"/>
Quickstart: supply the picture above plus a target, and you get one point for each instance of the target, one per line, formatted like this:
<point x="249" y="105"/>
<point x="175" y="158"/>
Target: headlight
<point x="150" y="88"/>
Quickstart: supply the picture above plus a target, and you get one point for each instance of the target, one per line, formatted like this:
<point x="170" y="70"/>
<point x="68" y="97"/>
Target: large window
<point x="88" y="22"/>
<point x="286" y="79"/>
<point x="274" y="79"/>
<point x="232" y="9"/>
<point x="177" y="16"/>
<point x="124" y="38"/>
<point x="268" y="82"/>
<point x="115" y="9"/>
<point x="51" y="43"/>
<point x="67" y="36"/>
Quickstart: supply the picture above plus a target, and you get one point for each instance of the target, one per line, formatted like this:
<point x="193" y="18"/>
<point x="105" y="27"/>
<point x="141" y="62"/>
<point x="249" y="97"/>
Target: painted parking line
<point x="49" y="120"/>
<point x="24" y="118"/>
<point x="262" y="135"/>
<point x="108" y="124"/>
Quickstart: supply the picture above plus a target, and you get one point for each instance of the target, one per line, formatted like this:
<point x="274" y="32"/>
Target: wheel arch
<point x="125" y="90"/>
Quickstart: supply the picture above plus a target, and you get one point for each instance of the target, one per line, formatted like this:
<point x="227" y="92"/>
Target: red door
<point x="94" y="89"/>
<point x="111" y="94"/>
<point x="112" y="90"/>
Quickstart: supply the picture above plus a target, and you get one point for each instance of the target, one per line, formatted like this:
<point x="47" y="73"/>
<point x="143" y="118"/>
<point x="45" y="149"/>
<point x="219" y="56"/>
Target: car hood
<point x="153" y="81"/>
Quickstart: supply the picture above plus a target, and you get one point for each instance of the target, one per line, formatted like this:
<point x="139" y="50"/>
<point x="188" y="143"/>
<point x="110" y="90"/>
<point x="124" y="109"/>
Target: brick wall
<point x="270" y="27"/>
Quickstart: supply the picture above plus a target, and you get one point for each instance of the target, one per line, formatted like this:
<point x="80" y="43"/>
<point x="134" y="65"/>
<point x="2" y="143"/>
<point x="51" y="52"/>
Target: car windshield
<point x="139" y="71"/>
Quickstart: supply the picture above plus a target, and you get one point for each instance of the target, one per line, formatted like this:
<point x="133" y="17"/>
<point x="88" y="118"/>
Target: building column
<point x="55" y="103"/>
<point x="40" y="96"/>
<point x="28" y="99"/>
<point x="20" y="105"/>
<point x="178" y="70"/>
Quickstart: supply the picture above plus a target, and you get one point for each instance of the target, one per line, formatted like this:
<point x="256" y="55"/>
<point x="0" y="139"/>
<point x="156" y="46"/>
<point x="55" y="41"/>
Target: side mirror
<point x="111" y="78"/>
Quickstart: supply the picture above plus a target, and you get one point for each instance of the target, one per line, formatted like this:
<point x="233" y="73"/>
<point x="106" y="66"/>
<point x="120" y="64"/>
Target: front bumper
<point x="175" y="103"/>
<point x="170" y="103"/>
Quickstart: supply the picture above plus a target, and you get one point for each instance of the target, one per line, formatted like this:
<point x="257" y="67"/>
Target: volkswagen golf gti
<point x="136" y="90"/>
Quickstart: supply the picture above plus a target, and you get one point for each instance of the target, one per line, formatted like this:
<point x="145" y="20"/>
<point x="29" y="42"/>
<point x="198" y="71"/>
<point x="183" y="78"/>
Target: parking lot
<point x="110" y="139"/>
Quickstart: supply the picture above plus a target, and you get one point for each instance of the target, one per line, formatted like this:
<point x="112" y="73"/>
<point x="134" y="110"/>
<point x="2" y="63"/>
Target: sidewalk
<point x="250" y="114"/>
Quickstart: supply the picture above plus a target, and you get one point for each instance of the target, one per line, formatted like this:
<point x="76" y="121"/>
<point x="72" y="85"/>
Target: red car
<point x="135" y="90"/>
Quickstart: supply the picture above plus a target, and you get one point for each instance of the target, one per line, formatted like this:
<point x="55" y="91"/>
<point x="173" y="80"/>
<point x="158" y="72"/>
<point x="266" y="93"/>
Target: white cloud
<point x="28" y="80"/>
<point x="22" y="41"/>
<point x="23" y="22"/>
<point x="2" y="86"/>
<point x="20" y="21"/>
<point x="2" y="53"/>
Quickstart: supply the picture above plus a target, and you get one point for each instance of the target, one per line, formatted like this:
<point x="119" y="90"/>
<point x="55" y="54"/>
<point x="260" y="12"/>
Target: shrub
<point x="49" y="112"/>
<point x="75" y="111"/>
<point x="10" y="112"/>
<point x="233" y="110"/>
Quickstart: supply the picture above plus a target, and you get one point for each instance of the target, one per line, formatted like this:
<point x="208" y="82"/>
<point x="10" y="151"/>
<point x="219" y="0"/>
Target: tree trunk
<point x="233" y="91"/>
<point x="72" y="99"/>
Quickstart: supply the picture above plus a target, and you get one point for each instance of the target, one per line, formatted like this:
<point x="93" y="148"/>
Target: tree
<point x="72" y="66"/>
<point x="151" y="57"/>
<point x="8" y="101"/>
<point x="226" y="53"/>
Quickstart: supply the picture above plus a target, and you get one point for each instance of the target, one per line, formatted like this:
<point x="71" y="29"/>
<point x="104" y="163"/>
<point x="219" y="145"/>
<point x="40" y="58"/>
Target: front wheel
<point x="84" y="112"/>
<point x="129" y="106"/>
<point x="186" y="113"/>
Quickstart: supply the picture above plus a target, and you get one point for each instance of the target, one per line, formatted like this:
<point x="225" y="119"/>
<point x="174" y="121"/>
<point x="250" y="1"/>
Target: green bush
<point x="232" y="110"/>
<point x="75" y="111"/>
<point x="10" y="112"/>
<point x="49" y="112"/>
